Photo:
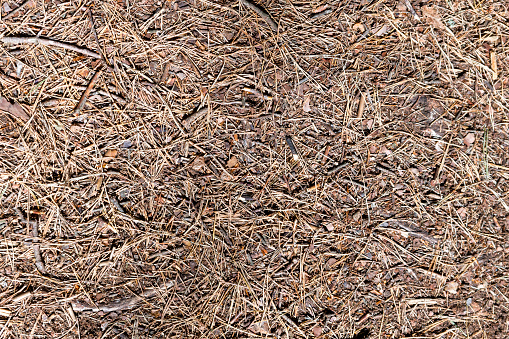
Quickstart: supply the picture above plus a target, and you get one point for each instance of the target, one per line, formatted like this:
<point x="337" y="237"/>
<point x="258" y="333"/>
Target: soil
<point x="268" y="169"/>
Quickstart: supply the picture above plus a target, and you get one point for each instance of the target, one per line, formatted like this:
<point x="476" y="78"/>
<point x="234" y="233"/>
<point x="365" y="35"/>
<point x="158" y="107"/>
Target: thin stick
<point x="179" y="125"/>
<point x="49" y="42"/>
<point x="94" y="32"/>
<point x="35" y="242"/>
<point x="321" y="14"/>
<point x="86" y="93"/>
<point x="257" y="93"/>
<point x="187" y="122"/>
<point x="120" y="305"/>
<point x="362" y="106"/>
<point x="261" y="12"/>
<point x="291" y="145"/>
<point x="338" y="168"/>
<point x="104" y="93"/>
<point x="436" y="177"/>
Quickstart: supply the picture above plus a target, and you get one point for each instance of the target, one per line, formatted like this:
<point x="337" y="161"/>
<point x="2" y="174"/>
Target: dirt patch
<point x="271" y="169"/>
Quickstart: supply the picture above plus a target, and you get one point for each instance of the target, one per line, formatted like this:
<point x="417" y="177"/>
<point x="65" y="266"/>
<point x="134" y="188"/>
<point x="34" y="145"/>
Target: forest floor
<point x="221" y="169"/>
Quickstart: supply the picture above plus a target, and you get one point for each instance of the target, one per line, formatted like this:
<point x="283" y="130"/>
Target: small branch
<point x="291" y="145"/>
<point x="338" y="168"/>
<point x="257" y="93"/>
<point x="436" y="177"/>
<point x="35" y="245"/>
<point x="103" y="57"/>
<point x="86" y="93"/>
<point x="104" y="93"/>
<point x="261" y="12"/>
<point x="187" y="122"/>
<point x="362" y="106"/>
<point x="177" y="122"/>
<point x="321" y="14"/>
<point x="122" y="304"/>
<point x="117" y="205"/>
<point x="49" y="42"/>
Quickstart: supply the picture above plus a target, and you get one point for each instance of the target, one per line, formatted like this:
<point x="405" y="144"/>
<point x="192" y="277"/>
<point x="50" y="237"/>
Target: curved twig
<point x="49" y="42"/>
<point x="120" y="305"/>
<point x="261" y="12"/>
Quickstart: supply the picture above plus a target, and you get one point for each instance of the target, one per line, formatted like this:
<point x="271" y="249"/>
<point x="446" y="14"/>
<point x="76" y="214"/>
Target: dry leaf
<point x="451" y="287"/>
<point x="401" y="7"/>
<point x="83" y="72"/>
<point x="469" y="139"/>
<point x="384" y="29"/>
<point x="475" y="307"/>
<point x="320" y="9"/>
<point x="491" y="39"/>
<point x="385" y="151"/>
<point x="317" y="331"/>
<point x="356" y="217"/>
<point x="111" y="153"/>
<point x="359" y="27"/>
<point x="103" y="226"/>
<point x="261" y="327"/>
<point x="75" y="128"/>
<point x="331" y="262"/>
<point x="462" y="212"/>
<point x="414" y="171"/>
<point x="233" y="162"/>
<point x="367" y="124"/>
<point x="14" y="109"/>
<point x="199" y="165"/>
<point x="305" y="105"/>
<point x="432" y="16"/>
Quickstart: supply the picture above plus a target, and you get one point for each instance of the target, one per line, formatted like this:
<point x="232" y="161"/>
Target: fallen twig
<point x="86" y="93"/>
<point x="104" y="93"/>
<point x="410" y="230"/>
<point x="261" y="12"/>
<point x="291" y="145"/>
<point x="193" y="117"/>
<point x="338" y="168"/>
<point x="117" y="205"/>
<point x="257" y="93"/>
<point x="120" y="305"/>
<point x="56" y="101"/>
<point x="103" y="57"/>
<point x="175" y="120"/>
<point x="436" y="176"/>
<point x="362" y="105"/>
<point x="35" y="242"/>
<point x="320" y="14"/>
<point x="49" y="42"/>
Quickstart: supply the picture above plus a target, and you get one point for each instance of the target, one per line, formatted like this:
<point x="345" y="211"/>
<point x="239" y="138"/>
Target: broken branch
<point x="49" y="42"/>
<point x="261" y="12"/>
<point x="86" y="93"/>
<point x="35" y="245"/>
<point x="120" y="305"/>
